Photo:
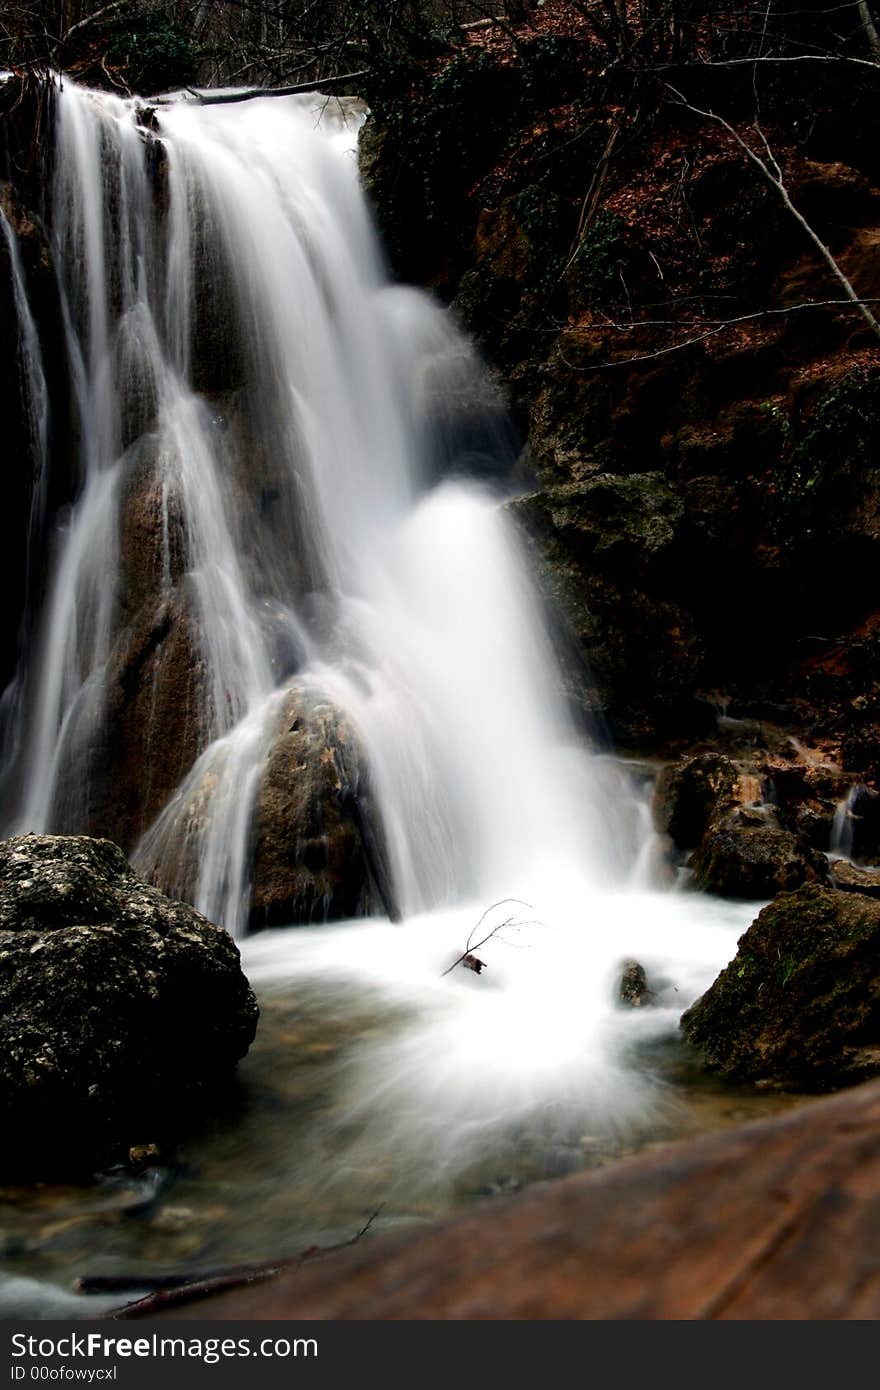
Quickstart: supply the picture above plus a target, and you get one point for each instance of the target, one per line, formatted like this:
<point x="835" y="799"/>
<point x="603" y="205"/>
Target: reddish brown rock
<point x="755" y="861"/>
<point x="316" y="843"/>
<point x="775" y="1220"/>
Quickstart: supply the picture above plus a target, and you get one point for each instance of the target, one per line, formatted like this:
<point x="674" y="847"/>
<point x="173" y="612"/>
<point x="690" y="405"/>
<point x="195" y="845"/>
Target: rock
<point x="120" y="1010"/>
<point x="143" y="1156"/>
<point x="625" y="524"/>
<point x="126" y="753"/>
<point x="774" y="1220"/>
<point x="633" y="988"/>
<point x="644" y="688"/>
<point x="754" y="861"/>
<point x="798" y="1004"/>
<point x="860" y="750"/>
<point x="692" y="795"/>
<point x="318" y="850"/>
<point x="850" y="879"/>
<point x="22" y="533"/>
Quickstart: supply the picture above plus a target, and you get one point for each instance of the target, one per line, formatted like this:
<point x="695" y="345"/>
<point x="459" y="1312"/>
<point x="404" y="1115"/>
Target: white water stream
<point x="400" y="591"/>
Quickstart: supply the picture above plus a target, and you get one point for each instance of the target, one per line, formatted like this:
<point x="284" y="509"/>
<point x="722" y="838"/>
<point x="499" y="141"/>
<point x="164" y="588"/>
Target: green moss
<point x="839" y="441"/>
<point x="600" y="256"/>
<point x="797" y="1003"/>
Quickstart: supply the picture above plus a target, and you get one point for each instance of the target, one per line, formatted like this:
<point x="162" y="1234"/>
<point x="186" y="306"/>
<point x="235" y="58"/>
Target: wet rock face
<point x="692" y="795"/>
<point x="597" y="550"/>
<point x="21" y="543"/>
<point x="317" y="846"/>
<point x="850" y="879"/>
<point x="118" y="1006"/>
<point x="755" y="861"/>
<point x="800" y="1003"/>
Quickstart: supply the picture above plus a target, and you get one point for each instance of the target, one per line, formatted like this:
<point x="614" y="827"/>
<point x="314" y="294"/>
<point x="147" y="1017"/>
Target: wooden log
<point x="205" y="97"/>
<point x="779" y="1219"/>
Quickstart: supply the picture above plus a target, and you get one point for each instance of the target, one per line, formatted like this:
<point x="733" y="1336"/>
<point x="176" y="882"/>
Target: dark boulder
<point x="692" y="795"/>
<point x="755" y="861"/>
<point x="633" y="989"/>
<point x="120" y="1010"/>
<point x="800" y="1003"/>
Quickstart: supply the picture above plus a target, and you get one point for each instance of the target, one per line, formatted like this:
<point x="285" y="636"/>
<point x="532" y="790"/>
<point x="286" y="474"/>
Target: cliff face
<point x="701" y="423"/>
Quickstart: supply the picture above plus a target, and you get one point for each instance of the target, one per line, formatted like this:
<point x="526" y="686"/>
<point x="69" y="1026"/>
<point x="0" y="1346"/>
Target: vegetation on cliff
<point x="662" y="319"/>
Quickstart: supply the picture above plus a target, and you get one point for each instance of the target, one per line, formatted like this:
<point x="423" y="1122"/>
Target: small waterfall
<point x="36" y="393"/>
<point x="842" y="829"/>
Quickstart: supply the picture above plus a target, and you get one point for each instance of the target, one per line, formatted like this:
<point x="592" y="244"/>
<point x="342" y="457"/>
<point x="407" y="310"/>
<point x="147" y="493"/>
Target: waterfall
<point x="292" y="476"/>
<point x="431" y="637"/>
<point x="35" y="396"/>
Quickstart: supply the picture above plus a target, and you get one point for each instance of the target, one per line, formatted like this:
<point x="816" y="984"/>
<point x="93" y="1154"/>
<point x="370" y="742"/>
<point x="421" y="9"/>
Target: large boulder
<point x="318" y="846"/>
<point x="118" y="1006"/>
<point x="800" y="1003"/>
<point x="755" y="861"/>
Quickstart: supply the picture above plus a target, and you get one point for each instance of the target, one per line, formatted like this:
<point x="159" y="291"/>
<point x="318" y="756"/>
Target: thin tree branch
<point x="870" y="28"/>
<point x="104" y="13"/>
<point x="719" y="326"/>
<point x="475" y="945"/>
<point x="773" y="175"/>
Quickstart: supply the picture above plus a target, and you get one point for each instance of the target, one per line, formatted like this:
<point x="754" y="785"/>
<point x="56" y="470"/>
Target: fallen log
<point x="205" y="97"/>
<point x="775" y="1220"/>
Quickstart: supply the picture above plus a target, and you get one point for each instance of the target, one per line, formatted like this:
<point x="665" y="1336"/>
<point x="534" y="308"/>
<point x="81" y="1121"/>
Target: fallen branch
<point x="467" y="954"/>
<point x="717" y="326"/>
<point x="174" y="1290"/>
<point x="321" y="84"/>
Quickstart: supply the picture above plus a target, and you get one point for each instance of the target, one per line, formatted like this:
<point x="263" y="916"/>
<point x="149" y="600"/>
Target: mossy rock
<point x="121" y="1011"/>
<point x="755" y="861"/>
<point x="800" y="1003"/>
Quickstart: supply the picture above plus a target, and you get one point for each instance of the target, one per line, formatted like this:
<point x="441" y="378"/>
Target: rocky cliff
<point x="701" y="422"/>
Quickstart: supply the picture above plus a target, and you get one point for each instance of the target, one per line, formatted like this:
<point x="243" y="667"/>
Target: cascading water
<point x="345" y="538"/>
<point x="35" y="395"/>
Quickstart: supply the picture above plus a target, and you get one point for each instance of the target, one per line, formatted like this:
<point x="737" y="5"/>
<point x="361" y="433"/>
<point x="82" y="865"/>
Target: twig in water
<point x="472" y="945"/>
<point x="171" y="1293"/>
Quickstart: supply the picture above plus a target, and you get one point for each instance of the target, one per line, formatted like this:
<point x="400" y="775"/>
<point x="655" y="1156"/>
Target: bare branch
<point x="104" y="13"/>
<point x="475" y="945"/>
<point x="718" y="326"/>
<point x="870" y="28"/>
<point x="773" y="174"/>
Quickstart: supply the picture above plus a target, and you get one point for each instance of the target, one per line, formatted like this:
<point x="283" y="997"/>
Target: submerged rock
<point x="634" y="985"/>
<point x="798" y="1005"/>
<point x="755" y="861"/>
<point x="118" y="1006"/>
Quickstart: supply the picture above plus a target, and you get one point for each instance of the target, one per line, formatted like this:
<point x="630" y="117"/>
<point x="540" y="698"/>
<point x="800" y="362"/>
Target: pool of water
<point x="298" y="1159"/>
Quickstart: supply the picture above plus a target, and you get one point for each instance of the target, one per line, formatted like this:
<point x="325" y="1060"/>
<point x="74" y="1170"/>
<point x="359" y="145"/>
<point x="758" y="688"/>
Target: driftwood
<point x="776" y="1220"/>
<point x="169" y="1291"/>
